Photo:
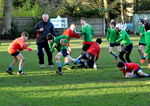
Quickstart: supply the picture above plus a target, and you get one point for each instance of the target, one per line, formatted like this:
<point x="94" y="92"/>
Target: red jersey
<point x="130" y="67"/>
<point x="70" y="34"/>
<point x="17" y="45"/>
<point x="94" y="48"/>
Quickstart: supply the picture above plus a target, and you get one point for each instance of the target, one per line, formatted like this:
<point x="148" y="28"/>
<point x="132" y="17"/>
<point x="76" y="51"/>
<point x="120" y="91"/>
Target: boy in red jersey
<point x="131" y="70"/>
<point x="14" y="49"/>
<point x="89" y="56"/>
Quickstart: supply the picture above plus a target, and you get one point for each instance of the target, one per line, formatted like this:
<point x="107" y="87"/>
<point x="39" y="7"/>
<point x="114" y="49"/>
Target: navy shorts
<point x="143" y="44"/>
<point x="114" y="44"/>
<point x="15" y="54"/>
<point x="64" y="53"/>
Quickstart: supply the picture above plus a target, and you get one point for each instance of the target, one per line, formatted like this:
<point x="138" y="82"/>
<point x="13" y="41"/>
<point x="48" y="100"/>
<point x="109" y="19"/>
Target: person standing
<point x="142" y="44"/>
<point x="42" y="28"/>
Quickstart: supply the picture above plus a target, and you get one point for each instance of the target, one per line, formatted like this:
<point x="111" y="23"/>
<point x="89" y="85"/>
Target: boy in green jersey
<point x="142" y="44"/>
<point x="147" y="41"/>
<point x="125" y="40"/>
<point x="111" y="36"/>
<point x="87" y="33"/>
<point x="60" y="44"/>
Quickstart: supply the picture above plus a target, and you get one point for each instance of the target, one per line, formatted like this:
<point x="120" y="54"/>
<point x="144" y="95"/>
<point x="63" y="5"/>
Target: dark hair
<point x="24" y="34"/>
<point x="49" y="36"/>
<point x="83" y="18"/>
<point x="99" y="40"/>
<point x="141" y="20"/>
<point x="147" y="26"/>
<point x="113" y="22"/>
<point x="120" y="64"/>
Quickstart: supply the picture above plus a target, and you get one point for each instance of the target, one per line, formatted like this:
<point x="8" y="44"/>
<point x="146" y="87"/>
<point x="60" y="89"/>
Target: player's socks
<point x="20" y="70"/>
<point x="59" y="66"/>
<point x="11" y="67"/>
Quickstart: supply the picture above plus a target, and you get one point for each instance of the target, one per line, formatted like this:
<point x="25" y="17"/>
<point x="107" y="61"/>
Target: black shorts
<point x="85" y="47"/>
<point x="64" y="53"/>
<point x="143" y="44"/>
<point x="15" y="54"/>
<point x="114" y="44"/>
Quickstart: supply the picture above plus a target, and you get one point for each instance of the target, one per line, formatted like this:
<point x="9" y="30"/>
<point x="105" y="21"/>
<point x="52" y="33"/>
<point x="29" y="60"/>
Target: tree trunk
<point x="122" y="10"/>
<point x="106" y="7"/>
<point x="7" y="16"/>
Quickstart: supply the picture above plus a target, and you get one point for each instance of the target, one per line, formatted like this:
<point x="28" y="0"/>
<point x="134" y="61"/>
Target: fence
<point x="27" y="23"/>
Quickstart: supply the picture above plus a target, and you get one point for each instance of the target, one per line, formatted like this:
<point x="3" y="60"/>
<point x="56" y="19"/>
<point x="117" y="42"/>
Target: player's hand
<point x="54" y="45"/>
<point x="41" y="29"/>
<point x="28" y="44"/>
<point x="29" y="49"/>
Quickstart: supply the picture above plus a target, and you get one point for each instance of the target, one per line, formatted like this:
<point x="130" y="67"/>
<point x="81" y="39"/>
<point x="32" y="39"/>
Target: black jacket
<point x="48" y="28"/>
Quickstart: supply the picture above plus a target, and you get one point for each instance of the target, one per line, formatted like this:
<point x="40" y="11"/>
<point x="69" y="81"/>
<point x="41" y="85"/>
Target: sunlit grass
<point x="79" y="87"/>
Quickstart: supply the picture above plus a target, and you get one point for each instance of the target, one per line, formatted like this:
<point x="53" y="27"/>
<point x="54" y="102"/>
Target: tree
<point x="7" y="16"/>
<point x="106" y="7"/>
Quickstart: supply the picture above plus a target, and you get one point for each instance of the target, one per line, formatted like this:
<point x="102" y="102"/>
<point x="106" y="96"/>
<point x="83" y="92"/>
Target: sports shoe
<point x="58" y="73"/>
<point x="142" y="61"/>
<point x="9" y="71"/>
<point x="42" y="66"/>
<point x="66" y="67"/>
<point x="51" y="66"/>
<point x="21" y="73"/>
<point x="115" y="59"/>
<point x="73" y="66"/>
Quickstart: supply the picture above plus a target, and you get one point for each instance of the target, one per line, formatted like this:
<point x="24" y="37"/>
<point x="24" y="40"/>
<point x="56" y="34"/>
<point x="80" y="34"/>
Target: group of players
<point x="91" y="49"/>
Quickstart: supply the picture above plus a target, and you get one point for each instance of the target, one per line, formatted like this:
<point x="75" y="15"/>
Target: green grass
<point x="79" y="87"/>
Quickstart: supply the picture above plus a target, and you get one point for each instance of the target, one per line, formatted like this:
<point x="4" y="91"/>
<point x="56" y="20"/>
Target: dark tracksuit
<point x="42" y="42"/>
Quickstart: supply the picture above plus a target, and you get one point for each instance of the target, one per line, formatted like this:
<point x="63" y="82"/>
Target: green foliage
<point x="79" y="87"/>
<point x="80" y="9"/>
<point x="26" y="8"/>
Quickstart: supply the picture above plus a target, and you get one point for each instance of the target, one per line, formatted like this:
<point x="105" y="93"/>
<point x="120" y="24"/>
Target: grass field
<point x="79" y="87"/>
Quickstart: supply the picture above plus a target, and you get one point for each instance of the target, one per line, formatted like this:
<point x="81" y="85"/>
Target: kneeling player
<point x="131" y="70"/>
<point x="89" y="55"/>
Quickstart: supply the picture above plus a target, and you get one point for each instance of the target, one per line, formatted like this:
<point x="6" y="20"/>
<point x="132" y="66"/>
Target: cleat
<point x="21" y="73"/>
<point x="42" y="66"/>
<point x="51" y="66"/>
<point x="73" y="66"/>
<point x="9" y="71"/>
<point x="142" y="61"/>
<point x="58" y="73"/>
<point x="66" y="67"/>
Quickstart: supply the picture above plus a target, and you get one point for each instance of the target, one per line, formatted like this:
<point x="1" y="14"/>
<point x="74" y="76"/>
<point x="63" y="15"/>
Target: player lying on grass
<point x="131" y="70"/>
<point x="89" y="57"/>
<point x="14" y="49"/>
<point x="60" y="44"/>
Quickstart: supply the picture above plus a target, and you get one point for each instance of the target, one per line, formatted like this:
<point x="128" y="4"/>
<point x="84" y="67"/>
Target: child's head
<point x="121" y="65"/>
<point x="50" y="37"/>
<point x="72" y="26"/>
<point x="25" y="35"/>
<point x="83" y="20"/>
<point x="99" y="40"/>
<point x="63" y="42"/>
<point x="147" y="26"/>
<point x="112" y="24"/>
<point x="140" y="21"/>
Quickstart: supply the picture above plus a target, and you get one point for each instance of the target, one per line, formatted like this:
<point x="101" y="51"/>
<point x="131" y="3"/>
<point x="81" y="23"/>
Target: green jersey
<point x="124" y="38"/>
<point x="147" y="41"/>
<point x="112" y="35"/>
<point x="87" y="32"/>
<point x="142" y="37"/>
<point x="59" y="47"/>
